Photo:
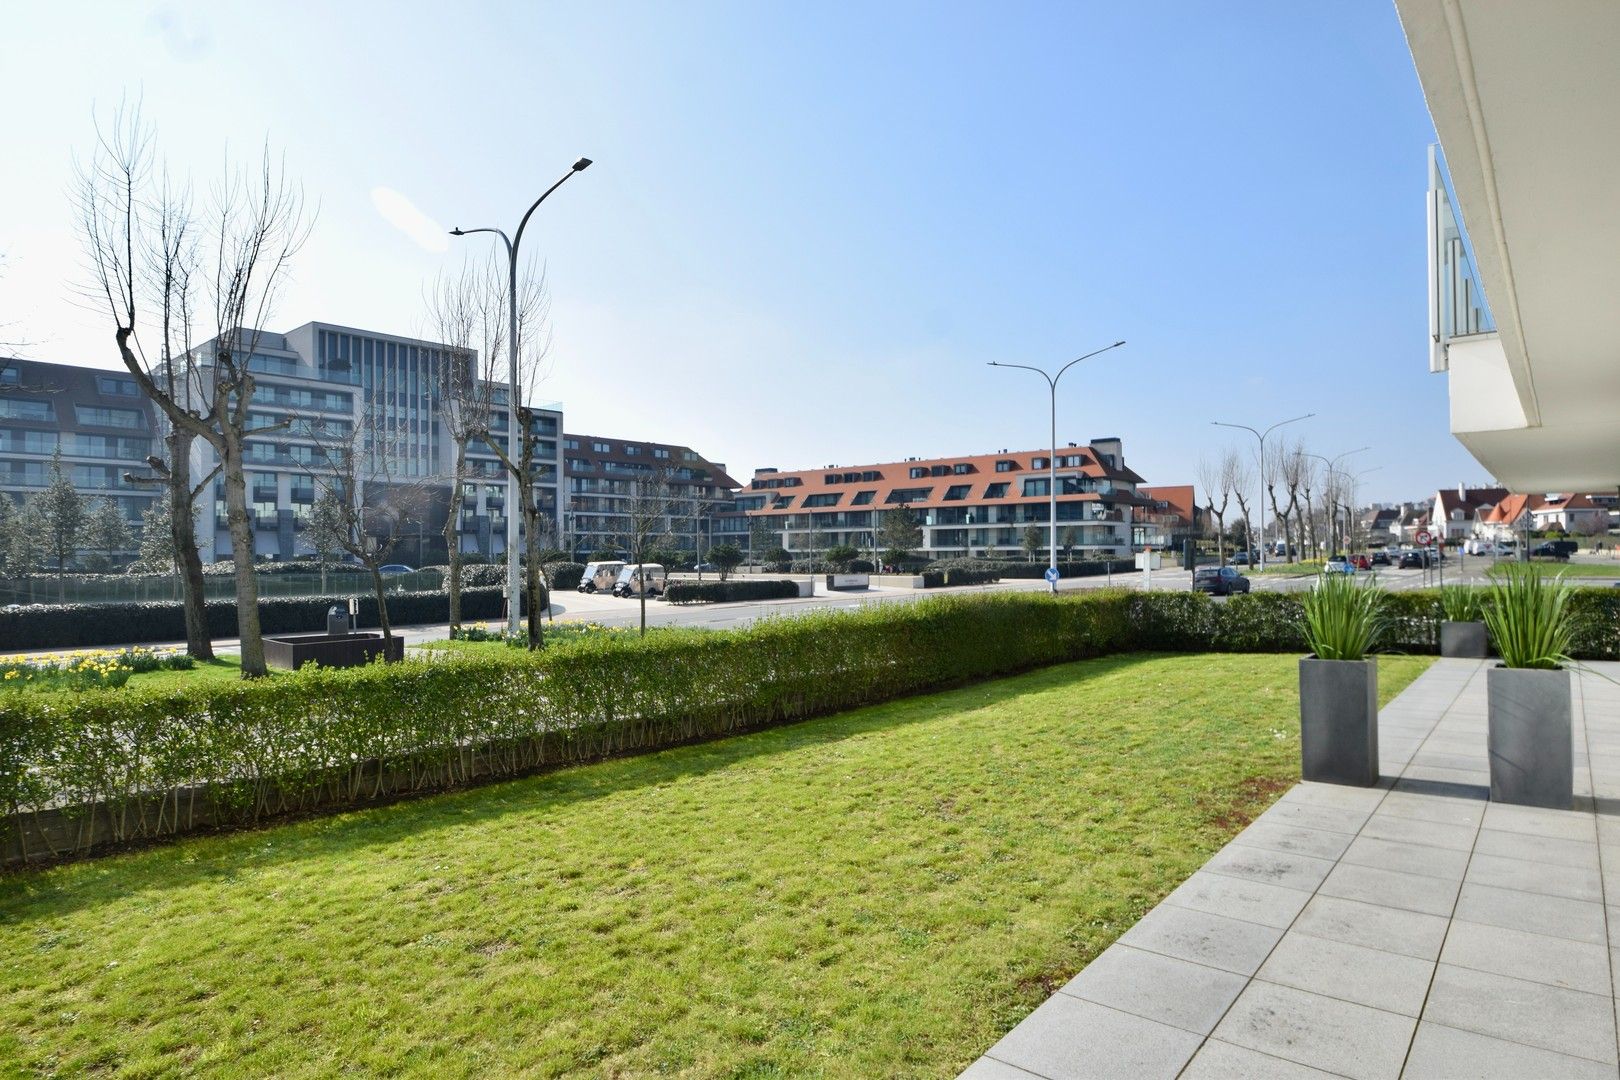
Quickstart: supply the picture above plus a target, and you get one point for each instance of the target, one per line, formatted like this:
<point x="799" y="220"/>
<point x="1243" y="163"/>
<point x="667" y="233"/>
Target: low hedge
<point x="563" y="574"/>
<point x="725" y="592"/>
<point x="1006" y="569"/>
<point x="61" y="626"/>
<point x="136" y="763"/>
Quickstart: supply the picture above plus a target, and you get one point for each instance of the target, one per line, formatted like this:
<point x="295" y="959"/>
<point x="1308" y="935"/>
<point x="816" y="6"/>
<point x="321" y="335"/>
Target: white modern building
<point x="1524" y="232"/>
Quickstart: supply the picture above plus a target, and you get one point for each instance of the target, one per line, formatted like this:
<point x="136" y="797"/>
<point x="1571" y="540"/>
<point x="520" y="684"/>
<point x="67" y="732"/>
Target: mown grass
<point x="1553" y="568"/>
<point x="879" y="893"/>
<point x="1303" y="568"/>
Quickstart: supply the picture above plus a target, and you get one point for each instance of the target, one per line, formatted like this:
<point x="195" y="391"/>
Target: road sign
<point x="1051" y="573"/>
<point x="1423" y="538"/>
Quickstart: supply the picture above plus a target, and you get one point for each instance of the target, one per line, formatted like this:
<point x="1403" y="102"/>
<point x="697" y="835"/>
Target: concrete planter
<point x="1338" y="721"/>
<point x="1528" y="737"/>
<point x="1463" y="639"/>
<point x="292" y="651"/>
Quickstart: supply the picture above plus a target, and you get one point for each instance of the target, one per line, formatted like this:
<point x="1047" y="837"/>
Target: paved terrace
<point x="1413" y="929"/>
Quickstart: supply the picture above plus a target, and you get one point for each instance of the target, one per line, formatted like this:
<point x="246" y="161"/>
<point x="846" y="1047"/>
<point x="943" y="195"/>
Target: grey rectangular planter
<point x="1338" y="721"/>
<point x="1464" y="639"/>
<point x="1528" y="737"/>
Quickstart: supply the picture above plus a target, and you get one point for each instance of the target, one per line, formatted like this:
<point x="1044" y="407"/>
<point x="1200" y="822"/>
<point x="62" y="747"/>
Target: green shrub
<point x="1343" y="620"/>
<point x="1527" y="619"/>
<point x="725" y="592"/>
<point x="563" y="574"/>
<point x="59" y="626"/>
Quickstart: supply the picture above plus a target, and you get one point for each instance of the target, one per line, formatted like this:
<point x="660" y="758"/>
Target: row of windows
<point x="297" y="397"/>
<point x="103" y="416"/>
<point x="961" y="468"/>
<point x="117" y="386"/>
<point x="26" y="409"/>
<point x="1067" y="485"/>
<point x="866" y="477"/>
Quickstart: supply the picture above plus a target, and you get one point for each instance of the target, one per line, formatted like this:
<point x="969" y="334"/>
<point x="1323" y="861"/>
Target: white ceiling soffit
<point x="1525" y="96"/>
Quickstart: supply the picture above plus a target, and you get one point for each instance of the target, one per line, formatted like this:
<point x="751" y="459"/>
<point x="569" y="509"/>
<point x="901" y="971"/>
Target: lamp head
<point x="582" y="164"/>
<point x="457" y="231"/>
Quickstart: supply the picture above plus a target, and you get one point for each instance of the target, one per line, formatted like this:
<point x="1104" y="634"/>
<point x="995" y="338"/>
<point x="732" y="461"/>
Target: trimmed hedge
<point x="1005" y="569"/>
<point x="562" y="574"/>
<point x="61" y="626"/>
<point x="725" y="592"/>
<point x="135" y="763"/>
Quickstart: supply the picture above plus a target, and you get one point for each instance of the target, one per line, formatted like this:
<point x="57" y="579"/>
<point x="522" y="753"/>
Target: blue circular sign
<point x="1051" y="573"/>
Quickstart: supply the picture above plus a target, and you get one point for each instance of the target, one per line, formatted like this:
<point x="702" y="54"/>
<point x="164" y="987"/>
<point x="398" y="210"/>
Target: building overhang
<point x="1523" y="98"/>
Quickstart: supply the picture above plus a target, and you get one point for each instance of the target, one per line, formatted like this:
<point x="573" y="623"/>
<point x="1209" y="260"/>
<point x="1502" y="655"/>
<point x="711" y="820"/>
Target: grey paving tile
<point x="1441" y="791"/>
<point x="1413" y="892"/>
<point x="1322" y="1032"/>
<point x="1407" y="858"/>
<point x="1535" y="821"/>
<point x="1335" y="795"/>
<point x="1404" y="830"/>
<point x="1293" y="839"/>
<point x="1272" y="867"/>
<point x="1447" y="811"/>
<point x="1217" y="1060"/>
<point x="1445" y="1053"/>
<point x="1578" y="920"/>
<point x="1354" y="922"/>
<point x="1542" y="849"/>
<point x="1326" y="818"/>
<point x="1237" y="898"/>
<point x="1067" y="1037"/>
<point x="1505" y="873"/>
<point x="1548" y="1017"/>
<point x="988" y="1068"/>
<point x="1355" y="973"/>
<point x="1162" y="988"/>
<point x="1213" y="940"/>
<point x="1576" y="965"/>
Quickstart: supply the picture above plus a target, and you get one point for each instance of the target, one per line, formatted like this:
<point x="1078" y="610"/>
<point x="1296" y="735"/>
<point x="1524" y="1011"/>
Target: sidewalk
<point x="1412" y="929"/>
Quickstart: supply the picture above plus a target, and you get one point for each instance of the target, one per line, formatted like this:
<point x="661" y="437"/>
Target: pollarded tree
<point x="142" y="245"/>
<point x="899" y="533"/>
<point x="61" y="513"/>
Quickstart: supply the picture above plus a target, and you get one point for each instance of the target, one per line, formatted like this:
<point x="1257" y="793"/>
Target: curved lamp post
<point x="1261" y="435"/>
<point x="1332" y="466"/>
<point x="514" y="446"/>
<point x="1051" y="462"/>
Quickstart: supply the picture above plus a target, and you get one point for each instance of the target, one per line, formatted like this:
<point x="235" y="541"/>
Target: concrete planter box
<point x="292" y="651"/>
<point x="1463" y="639"/>
<point x="1338" y="721"/>
<point x="1528" y="737"/>
<point x="840" y="582"/>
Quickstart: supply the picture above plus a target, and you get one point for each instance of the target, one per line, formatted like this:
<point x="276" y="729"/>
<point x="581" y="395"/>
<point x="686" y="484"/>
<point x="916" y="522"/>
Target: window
<point x="939" y="470"/>
<point x="1006" y="466"/>
<point x="918" y="471"/>
<point x="1040" y="463"/>
<point x="660" y="453"/>
<point x="751" y="502"/>
<point x="782" y="502"/>
<point x="632" y="449"/>
<point x="10" y="375"/>
<point x="103" y="417"/>
<point x="825" y="498"/>
<point x="117" y="386"/>
<point x="571" y="444"/>
<point x="906" y="495"/>
<point x="601" y="447"/>
<point x="863" y="498"/>
<point x="956" y="492"/>
<point x="25" y="409"/>
<point x="996" y="491"/>
<point x="962" y="468"/>
<point x="1037" y="487"/>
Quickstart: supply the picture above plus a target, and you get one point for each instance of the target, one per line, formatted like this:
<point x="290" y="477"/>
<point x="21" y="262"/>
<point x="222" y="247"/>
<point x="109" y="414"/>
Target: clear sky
<point x="809" y="226"/>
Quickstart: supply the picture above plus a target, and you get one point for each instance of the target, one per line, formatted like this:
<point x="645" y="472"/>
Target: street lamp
<point x="1261" y="435"/>
<point x="513" y="439"/>
<point x="1332" y="466"/>
<point x="1051" y="462"/>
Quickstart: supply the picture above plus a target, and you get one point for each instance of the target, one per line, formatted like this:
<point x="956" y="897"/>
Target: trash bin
<point x="337" y="620"/>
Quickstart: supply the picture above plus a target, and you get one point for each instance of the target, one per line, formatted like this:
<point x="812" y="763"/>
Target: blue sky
<point x="809" y="226"/>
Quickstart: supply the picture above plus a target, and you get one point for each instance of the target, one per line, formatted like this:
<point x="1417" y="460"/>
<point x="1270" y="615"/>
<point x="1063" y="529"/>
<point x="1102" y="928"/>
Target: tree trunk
<point x="452" y="538"/>
<point x="188" y="560"/>
<point x="382" y="605"/>
<point x="247" y="582"/>
<point x="531" y="570"/>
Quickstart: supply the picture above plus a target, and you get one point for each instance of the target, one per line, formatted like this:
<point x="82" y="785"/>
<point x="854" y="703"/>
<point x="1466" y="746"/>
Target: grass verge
<point x="879" y="893"/>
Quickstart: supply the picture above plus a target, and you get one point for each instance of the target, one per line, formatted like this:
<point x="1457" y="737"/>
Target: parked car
<point x="705" y="567"/>
<point x="1381" y="558"/>
<point x="1338" y="564"/>
<point x="1554" y="549"/>
<point x="1360" y="562"/>
<point x="395" y="568"/>
<point x="1219" y="581"/>
<point x="1244" y="558"/>
<point x="637" y="578"/>
<point x="599" y="576"/>
<point x="1413" y="560"/>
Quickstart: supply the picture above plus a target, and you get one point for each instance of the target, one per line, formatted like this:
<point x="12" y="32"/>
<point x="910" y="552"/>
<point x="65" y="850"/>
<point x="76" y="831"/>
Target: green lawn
<point x="879" y="893"/>
<point x="1304" y="568"/>
<point x="1551" y="568"/>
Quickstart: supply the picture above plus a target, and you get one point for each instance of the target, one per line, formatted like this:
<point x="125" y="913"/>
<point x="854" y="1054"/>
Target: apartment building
<point x="612" y="480"/>
<point x="99" y="420"/>
<point x="967" y="505"/>
<point x="332" y="381"/>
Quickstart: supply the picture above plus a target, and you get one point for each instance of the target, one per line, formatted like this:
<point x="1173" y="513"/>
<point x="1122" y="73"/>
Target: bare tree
<point x="1214" y="478"/>
<point x="1238" y="478"/>
<point x="1296" y="465"/>
<point x="647" y="519"/>
<point x="467" y="314"/>
<point x="369" y="507"/>
<point x="135" y="226"/>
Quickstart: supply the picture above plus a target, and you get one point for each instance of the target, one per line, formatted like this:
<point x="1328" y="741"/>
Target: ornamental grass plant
<point x="1528" y="619"/>
<point x="1343" y="620"/>
<point x="1462" y="603"/>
